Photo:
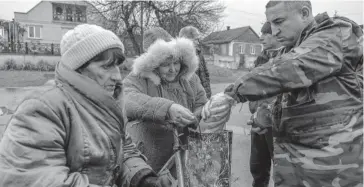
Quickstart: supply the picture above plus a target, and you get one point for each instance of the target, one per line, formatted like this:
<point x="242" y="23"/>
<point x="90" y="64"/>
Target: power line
<point x="250" y="13"/>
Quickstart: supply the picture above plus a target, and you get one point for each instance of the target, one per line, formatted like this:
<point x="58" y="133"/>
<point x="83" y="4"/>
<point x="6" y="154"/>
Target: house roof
<point x="227" y="36"/>
<point x="29" y="9"/>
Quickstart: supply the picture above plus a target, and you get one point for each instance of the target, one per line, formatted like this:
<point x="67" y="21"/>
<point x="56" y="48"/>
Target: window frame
<point x="242" y="49"/>
<point x="35" y="37"/>
<point x="252" y="50"/>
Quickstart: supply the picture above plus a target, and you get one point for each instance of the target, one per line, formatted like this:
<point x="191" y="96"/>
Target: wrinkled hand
<point x="181" y="116"/>
<point x="151" y="181"/>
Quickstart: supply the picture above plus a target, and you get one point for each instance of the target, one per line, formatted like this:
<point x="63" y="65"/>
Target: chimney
<point x="227" y="27"/>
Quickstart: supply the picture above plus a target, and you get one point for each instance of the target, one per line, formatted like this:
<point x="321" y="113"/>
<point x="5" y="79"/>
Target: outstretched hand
<point x="181" y="116"/>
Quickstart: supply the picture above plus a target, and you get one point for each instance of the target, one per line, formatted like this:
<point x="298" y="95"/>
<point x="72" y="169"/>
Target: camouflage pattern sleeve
<point x="315" y="59"/>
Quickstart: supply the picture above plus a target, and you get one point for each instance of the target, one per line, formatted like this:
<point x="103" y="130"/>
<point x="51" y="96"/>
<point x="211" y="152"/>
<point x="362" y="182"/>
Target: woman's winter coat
<point x="70" y="134"/>
<point x="148" y="98"/>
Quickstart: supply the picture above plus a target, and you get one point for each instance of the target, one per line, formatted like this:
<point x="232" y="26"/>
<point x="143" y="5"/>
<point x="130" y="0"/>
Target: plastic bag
<point x="216" y="112"/>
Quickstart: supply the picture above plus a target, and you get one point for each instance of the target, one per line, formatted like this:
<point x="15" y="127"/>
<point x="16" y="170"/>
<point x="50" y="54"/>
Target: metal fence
<point x="30" y="48"/>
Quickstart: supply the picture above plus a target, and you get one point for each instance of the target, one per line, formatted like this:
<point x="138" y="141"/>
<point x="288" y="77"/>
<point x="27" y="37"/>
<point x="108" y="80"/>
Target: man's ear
<point x="305" y="13"/>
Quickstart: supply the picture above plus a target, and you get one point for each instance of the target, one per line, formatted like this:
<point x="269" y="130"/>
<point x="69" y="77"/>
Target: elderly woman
<point x="72" y="134"/>
<point x="161" y="90"/>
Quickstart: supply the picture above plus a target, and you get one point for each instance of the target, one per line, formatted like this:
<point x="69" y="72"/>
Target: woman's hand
<point x="181" y="115"/>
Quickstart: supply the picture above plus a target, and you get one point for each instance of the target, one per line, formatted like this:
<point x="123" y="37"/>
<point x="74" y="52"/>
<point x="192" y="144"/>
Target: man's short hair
<point x="290" y="4"/>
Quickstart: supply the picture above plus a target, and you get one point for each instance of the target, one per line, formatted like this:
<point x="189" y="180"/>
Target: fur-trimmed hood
<point x="161" y="50"/>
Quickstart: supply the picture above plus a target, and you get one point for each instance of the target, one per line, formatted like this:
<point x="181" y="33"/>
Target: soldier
<point x="318" y="119"/>
<point x="261" y="150"/>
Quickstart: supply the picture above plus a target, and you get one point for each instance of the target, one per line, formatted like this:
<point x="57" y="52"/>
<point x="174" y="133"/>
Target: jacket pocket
<point x="316" y="130"/>
<point x="299" y="98"/>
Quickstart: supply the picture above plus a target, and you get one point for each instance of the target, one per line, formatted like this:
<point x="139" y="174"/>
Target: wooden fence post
<point x="26" y="47"/>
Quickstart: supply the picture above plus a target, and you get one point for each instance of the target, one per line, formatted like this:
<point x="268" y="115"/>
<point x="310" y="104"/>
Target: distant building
<point x="233" y="48"/>
<point x="48" y="21"/>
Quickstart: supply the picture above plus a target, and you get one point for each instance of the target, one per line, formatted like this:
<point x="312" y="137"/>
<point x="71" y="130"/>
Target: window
<point x="242" y="49"/>
<point x="57" y="13"/>
<point x="69" y="14"/>
<point x="80" y="14"/>
<point x="252" y="50"/>
<point x="223" y="49"/>
<point x="34" y="32"/>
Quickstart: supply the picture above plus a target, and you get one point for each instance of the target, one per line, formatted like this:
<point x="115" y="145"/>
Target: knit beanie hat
<point x="189" y="32"/>
<point x="84" y="42"/>
<point x="153" y="34"/>
<point x="266" y="28"/>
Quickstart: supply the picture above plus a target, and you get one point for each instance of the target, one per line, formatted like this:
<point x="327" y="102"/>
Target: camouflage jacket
<point x="203" y="74"/>
<point x="320" y="126"/>
<point x="263" y="58"/>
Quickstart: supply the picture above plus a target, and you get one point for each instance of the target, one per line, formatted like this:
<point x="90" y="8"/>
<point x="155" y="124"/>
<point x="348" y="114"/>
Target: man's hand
<point x="181" y="115"/>
<point x="229" y="90"/>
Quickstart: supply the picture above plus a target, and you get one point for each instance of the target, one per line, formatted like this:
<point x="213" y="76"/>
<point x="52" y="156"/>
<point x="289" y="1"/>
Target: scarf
<point x="107" y="110"/>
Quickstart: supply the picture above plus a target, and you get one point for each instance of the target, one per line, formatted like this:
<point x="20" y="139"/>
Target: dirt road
<point x="241" y="176"/>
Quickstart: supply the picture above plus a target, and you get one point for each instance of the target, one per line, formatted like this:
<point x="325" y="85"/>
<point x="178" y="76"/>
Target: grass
<point x="223" y="75"/>
<point x="23" y="78"/>
<point x="15" y="78"/>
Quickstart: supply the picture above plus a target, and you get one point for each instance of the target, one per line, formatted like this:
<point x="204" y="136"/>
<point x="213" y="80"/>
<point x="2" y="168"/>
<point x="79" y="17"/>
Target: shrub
<point x="44" y="66"/>
<point x="9" y="65"/>
<point x="19" y="66"/>
<point x="29" y="66"/>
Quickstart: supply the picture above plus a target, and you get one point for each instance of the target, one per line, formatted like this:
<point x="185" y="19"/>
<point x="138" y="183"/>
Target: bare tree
<point x="170" y="15"/>
<point x="174" y="15"/>
<point x="124" y="12"/>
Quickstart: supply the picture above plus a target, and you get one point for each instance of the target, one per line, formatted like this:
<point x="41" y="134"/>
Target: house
<point x="48" y="21"/>
<point x="233" y="48"/>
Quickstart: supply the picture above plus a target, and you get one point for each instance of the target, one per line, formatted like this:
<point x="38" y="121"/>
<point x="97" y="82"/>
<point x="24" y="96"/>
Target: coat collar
<point x="91" y="95"/>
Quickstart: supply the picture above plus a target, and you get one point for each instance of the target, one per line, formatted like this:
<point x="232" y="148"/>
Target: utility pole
<point x="141" y="27"/>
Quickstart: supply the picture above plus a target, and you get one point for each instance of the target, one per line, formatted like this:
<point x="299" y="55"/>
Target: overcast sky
<point x="238" y="13"/>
